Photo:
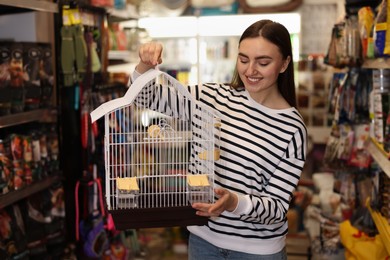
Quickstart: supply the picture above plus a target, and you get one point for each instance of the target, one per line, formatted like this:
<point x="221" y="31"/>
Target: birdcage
<point x="160" y="146"/>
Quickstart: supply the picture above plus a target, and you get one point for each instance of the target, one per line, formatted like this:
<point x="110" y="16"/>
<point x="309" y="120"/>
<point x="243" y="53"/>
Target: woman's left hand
<point x="226" y="201"/>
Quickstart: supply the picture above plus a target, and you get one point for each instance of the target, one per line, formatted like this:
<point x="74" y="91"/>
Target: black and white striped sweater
<point x="262" y="156"/>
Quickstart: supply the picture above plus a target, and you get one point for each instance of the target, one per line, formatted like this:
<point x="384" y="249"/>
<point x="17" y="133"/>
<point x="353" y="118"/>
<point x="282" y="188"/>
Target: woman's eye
<point x="244" y="61"/>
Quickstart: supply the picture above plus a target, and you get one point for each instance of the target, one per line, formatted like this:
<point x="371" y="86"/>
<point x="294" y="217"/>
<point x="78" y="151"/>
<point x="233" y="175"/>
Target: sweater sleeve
<point x="272" y="205"/>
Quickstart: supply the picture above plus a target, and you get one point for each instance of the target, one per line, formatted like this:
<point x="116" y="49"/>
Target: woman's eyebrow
<point x="256" y="58"/>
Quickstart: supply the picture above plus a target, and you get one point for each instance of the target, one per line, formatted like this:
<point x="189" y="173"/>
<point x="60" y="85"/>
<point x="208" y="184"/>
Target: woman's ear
<point x="285" y="64"/>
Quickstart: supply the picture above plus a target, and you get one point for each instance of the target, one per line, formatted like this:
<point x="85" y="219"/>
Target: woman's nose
<point x="251" y="68"/>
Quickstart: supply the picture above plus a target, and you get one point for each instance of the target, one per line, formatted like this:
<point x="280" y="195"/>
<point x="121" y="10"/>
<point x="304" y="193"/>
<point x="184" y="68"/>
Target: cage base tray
<point x="156" y="217"/>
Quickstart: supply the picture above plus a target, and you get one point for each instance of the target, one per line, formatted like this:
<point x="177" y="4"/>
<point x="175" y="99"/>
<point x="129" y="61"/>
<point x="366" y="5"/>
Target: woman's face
<point x="259" y="63"/>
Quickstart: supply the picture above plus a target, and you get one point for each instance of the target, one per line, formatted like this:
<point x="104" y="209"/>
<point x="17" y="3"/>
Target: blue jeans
<point x="200" y="249"/>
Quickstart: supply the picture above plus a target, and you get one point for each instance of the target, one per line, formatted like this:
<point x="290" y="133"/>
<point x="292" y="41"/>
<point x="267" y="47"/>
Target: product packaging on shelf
<point x="5" y="94"/>
<point x="26" y="76"/>
<point x="27" y="158"/>
<point x="102" y="3"/>
<point x="31" y="63"/>
<point x="46" y="74"/>
<point x="380" y="99"/>
<point x="382" y="30"/>
<point x="17" y="77"/>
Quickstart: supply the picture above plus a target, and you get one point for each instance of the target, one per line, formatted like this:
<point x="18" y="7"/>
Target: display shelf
<point x="10" y="6"/>
<point x="14" y="196"/>
<point x="120" y="15"/>
<point x="379" y="155"/>
<point x="119" y="55"/>
<point x="298" y="246"/>
<point x="26" y="117"/>
<point x="114" y="15"/>
<point x="378" y="63"/>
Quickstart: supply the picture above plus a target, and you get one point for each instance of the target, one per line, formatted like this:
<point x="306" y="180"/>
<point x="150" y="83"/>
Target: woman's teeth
<point x="253" y="79"/>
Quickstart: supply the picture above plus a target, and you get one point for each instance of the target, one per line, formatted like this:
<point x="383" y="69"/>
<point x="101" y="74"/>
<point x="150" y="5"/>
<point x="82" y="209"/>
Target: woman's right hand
<point x="150" y="56"/>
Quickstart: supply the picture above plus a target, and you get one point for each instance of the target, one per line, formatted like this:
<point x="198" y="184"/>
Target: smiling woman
<point x="262" y="147"/>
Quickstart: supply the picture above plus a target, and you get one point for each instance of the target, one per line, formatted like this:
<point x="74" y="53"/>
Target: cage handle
<point x="133" y="91"/>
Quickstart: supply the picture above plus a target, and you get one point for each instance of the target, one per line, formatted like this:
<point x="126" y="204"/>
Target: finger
<point x="201" y="206"/>
<point x="157" y="54"/>
<point x="219" y="192"/>
<point x="216" y="209"/>
<point x="195" y="205"/>
<point x="143" y="54"/>
<point x="202" y="213"/>
<point x="200" y="210"/>
<point x="146" y="53"/>
<point x="150" y="53"/>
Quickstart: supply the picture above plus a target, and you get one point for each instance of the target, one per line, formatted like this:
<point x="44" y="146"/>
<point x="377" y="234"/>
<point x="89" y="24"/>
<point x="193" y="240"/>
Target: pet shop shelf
<point x="13" y="6"/>
<point x="27" y="117"/>
<point x="379" y="155"/>
<point x="378" y="63"/>
<point x="18" y="119"/>
<point x="125" y="14"/>
<point x="14" y="196"/>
